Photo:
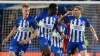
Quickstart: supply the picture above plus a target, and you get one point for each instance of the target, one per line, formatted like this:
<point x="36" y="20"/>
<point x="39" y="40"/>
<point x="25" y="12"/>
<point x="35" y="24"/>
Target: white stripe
<point x="61" y="28"/>
<point x="70" y="34"/>
<point x="70" y="31"/>
<point x="27" y="24"/>
<point x="44" y="30"/>
<point x="16" y="35"/>
<point x="23" y="35"/>
<point x="81" y="36"/>
<point x="19" y="36"/>
<point x="79" y="23"/>
<point x="73" y="40"/>
<point x="47" y="19"/>
<point x="41" y="31"/>
<point x="57" y="42"/>
<point x="19" y="31"/>
<point x="51" y="20"/>
<point x="20" y="23"/>
<point x="51" y="39"/>
<point x="54" y="41"/>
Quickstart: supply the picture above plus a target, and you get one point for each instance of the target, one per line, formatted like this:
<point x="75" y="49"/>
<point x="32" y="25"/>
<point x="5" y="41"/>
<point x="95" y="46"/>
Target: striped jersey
<point x="25" y="28"/>
<point x="56" y="40"/>
<point x="46" y="24"/>
<point x="77" y="27"/>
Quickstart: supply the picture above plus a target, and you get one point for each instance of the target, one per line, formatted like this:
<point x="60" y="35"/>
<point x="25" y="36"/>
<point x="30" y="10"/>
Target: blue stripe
<point x="49" y="20"/>
<point x="43" y="31"/>
<point x="40" y="31"/>
<point x="56" y="40"/>
<point x="26" y="24"/>
<point x="25" y="35"/>
<point x="59" y="42"/>
<point x="72" y="35"/>
<point x="79" y="36"/>
<point x="77" y="21"/>
<point x="53" y="40"/>
<point x="83" y="35"/>
<point x="22" y="23"/>
<point x="75" y="35"/>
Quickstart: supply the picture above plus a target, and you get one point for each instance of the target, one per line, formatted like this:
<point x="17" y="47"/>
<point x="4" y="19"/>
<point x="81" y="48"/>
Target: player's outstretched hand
<point x="5" y="41"/>
<point x="96" y="39"/>
<point x="23" y="42"/>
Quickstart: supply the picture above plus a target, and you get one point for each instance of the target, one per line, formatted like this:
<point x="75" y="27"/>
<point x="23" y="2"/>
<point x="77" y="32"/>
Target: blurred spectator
<point x="10" y="19"/>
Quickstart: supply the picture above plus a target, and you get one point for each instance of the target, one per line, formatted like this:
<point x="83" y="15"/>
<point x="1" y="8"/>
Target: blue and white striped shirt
<point x="25" y="28"/>
<point x="56" y="40"/>
<point x="77" y="28"/>
<point x="46" y="24"/>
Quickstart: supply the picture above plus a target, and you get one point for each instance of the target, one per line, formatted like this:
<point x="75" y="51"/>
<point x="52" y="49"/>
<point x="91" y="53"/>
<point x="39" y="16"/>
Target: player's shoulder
<point x="84" y="18"/>
<point x="19" y="18"/>
<point x="31" y="17"/>
<point x="43" y="12"/>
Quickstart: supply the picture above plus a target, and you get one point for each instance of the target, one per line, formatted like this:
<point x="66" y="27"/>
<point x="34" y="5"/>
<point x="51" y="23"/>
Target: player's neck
<point x="24" y="17"/>
<point x="50" y="14"/>
<point x="79" y="16"/>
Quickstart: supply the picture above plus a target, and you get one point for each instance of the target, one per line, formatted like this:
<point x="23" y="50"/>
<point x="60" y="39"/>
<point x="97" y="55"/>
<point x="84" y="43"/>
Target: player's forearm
<point x="93" y="31"/>
<point x="56" y="27"/>
<point x="61" y="19"/>
<point x="33" y="35"/>
<point x="12" y="32"/>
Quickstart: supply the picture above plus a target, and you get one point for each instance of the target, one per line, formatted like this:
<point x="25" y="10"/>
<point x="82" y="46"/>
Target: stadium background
<point x="9" y="12"/>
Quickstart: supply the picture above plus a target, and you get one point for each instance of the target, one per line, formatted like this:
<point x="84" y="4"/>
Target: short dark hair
<point x="52" y="6"/>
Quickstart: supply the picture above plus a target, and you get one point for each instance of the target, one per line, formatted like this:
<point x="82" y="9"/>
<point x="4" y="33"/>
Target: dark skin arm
<point x="62" y="18"/>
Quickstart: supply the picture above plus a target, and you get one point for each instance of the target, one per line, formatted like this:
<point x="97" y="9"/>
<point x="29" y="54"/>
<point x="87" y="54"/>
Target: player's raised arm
<point x="93" y="32"/>
<point x="62" y="17"/>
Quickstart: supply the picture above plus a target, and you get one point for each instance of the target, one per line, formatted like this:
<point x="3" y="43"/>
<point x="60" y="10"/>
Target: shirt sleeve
<point x="66" y="19"/>
<point x="17" y="22"/>
<point x="38" y="17"/>
<point x="34" y="23"/>
<point x="87" y="23"/>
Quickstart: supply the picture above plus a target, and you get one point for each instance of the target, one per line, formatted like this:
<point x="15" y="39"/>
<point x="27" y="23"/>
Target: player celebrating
<point x="24" y="32"/>
<point x="77" y="29"/>
<point x="47" y="20"/>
